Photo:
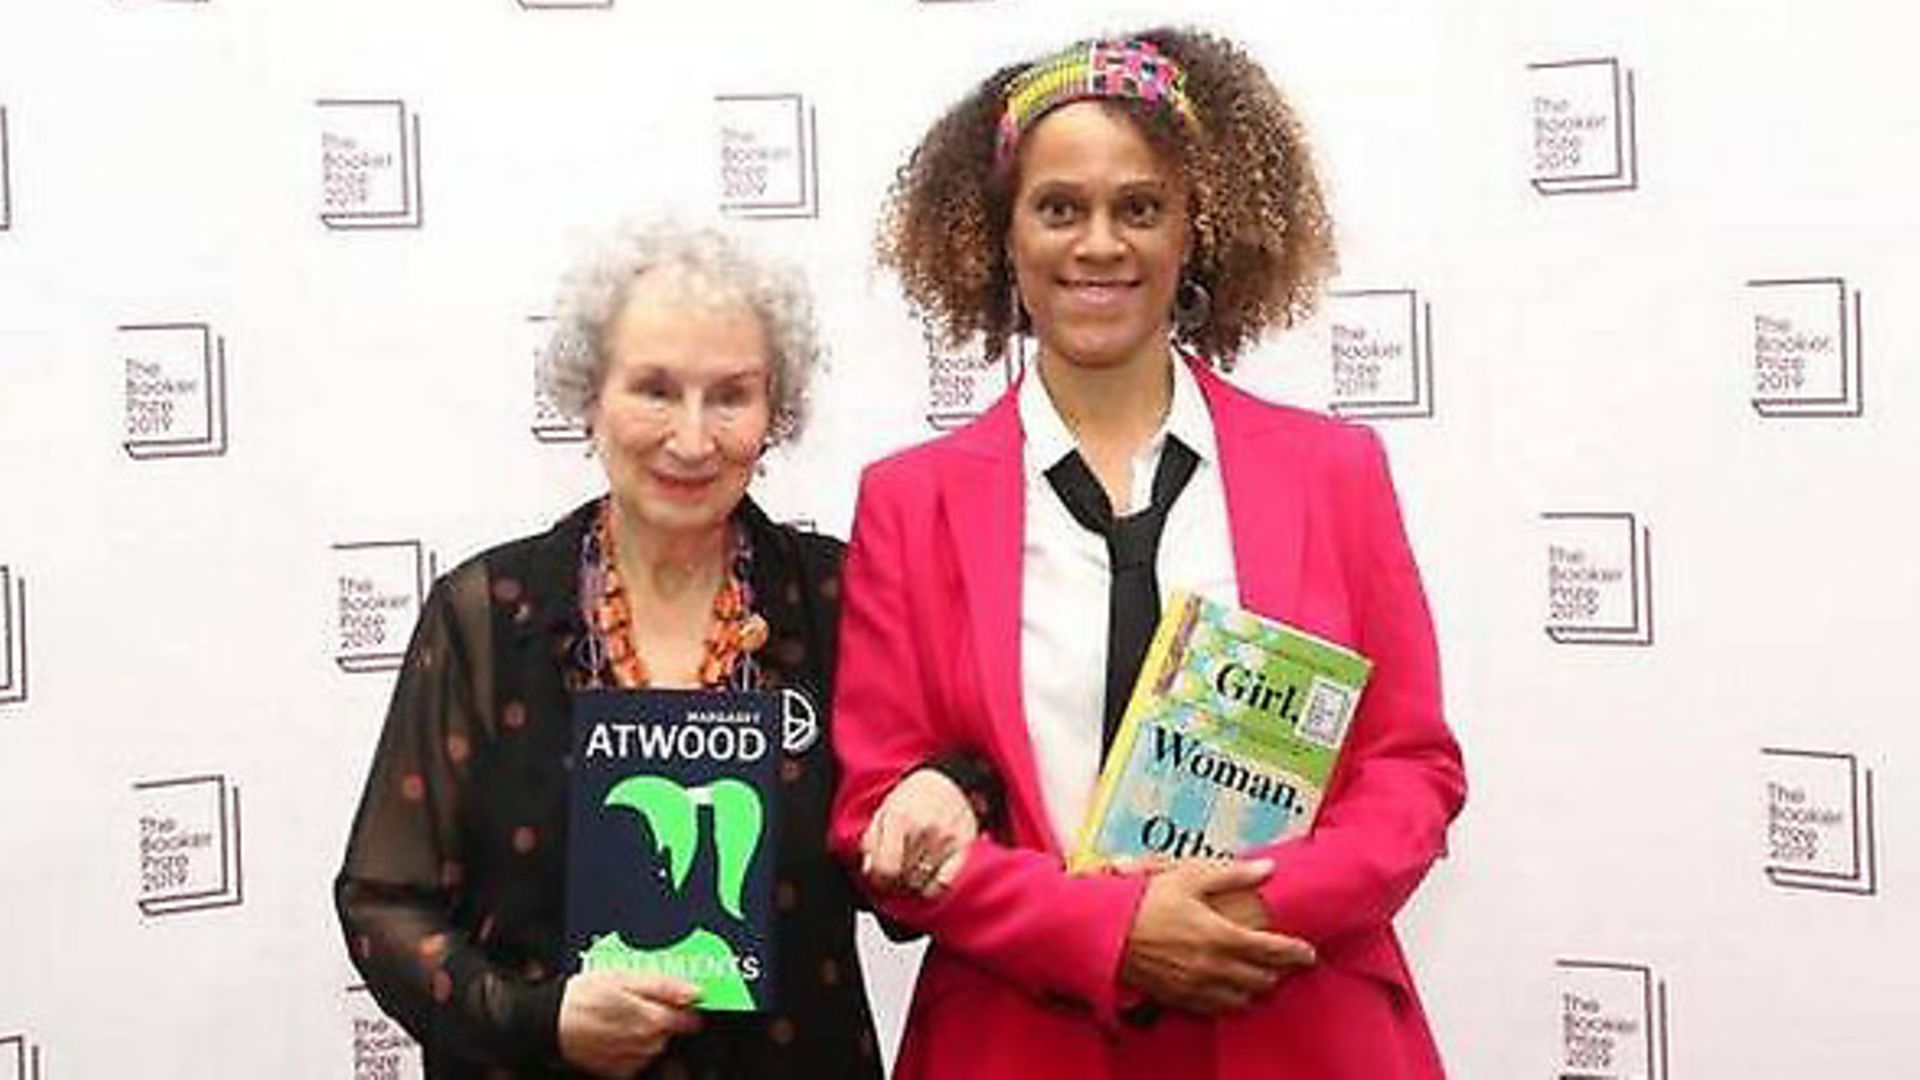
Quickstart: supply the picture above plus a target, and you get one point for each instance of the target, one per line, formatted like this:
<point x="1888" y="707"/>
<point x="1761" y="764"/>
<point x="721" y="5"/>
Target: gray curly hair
<point x="720" y="270"/>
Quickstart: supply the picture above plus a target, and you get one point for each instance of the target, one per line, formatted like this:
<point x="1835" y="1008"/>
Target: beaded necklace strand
<point x="734" y="633"/>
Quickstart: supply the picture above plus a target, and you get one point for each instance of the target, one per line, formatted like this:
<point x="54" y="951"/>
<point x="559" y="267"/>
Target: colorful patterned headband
<point x="1126" y="70"/>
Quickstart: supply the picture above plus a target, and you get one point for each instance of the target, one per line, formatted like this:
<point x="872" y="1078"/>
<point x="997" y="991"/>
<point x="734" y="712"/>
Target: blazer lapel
<point x="984" y="493"/>
<point x="1266" y="507"/>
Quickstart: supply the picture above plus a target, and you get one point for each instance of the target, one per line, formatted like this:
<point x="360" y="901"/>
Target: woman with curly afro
<point x="1144" y="208"/>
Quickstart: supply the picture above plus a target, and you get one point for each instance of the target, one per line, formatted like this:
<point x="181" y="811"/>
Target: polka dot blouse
<point x="452" y="895"/>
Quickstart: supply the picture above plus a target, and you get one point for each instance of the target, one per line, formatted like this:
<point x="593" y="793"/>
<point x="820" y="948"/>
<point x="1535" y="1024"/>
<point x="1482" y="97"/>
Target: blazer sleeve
<point x="1400" y="779"/>
<point x="1012" y="910"/>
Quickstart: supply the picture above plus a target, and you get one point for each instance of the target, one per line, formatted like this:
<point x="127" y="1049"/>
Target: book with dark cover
<point x="670" y="853"/>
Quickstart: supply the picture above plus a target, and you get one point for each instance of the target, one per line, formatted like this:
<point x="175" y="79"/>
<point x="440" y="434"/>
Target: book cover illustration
<point x="670" y="854"/>
<point x="1228" y="740"/>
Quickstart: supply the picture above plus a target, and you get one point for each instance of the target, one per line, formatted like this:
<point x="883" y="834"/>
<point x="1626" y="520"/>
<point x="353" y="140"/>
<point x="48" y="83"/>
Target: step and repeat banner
<point x="1627" y="289"/>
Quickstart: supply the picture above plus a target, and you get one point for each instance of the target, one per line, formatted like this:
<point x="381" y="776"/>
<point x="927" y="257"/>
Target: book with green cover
<point x="1228" y="740"/>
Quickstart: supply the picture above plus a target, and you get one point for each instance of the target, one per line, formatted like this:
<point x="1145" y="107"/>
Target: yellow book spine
<point x="1160" y="656"/>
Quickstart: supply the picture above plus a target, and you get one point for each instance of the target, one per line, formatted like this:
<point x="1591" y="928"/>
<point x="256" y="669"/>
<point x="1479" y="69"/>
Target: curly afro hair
<point x="1262" y="243"/>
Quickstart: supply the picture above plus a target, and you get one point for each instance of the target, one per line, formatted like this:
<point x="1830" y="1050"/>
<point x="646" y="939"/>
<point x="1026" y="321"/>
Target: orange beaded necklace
<point x="736" y="630"/>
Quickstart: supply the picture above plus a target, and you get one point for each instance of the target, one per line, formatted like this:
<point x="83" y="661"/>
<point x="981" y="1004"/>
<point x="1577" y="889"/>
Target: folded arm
<point x="1012" y="910"/>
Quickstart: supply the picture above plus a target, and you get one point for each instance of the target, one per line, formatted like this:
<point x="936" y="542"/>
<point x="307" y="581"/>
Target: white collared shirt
<point x="1066" y="578"/>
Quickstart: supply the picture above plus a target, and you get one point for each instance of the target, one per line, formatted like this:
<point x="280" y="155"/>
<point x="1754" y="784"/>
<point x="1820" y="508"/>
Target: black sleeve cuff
<point x="974" y="775"/>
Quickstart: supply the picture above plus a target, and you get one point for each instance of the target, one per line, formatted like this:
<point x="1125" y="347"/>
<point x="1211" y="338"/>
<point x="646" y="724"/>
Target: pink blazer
<point x="1021" y="979"/>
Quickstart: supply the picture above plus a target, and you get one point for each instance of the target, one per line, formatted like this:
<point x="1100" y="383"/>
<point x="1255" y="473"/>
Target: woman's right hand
<point x="919" y="837"/>
<point x="1182" y="950"/>
<point x="614" y="1023"/>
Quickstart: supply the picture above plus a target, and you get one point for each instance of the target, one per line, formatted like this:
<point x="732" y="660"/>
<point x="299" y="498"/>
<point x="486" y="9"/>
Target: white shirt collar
<point x="1048" y="438"/>
<point x="1188" y="416"/>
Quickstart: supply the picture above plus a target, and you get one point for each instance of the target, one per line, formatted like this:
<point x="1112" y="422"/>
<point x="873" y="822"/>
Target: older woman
<point x="686" y="359"/>
<point x="1145" y="207"/>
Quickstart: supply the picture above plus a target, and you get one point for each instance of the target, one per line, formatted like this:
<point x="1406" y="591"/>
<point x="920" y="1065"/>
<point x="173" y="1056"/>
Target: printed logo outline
<point x="412" y="213"/>
<point x="1861" y="880"/>
<point x="6" y="174"/>
<point x="425" y="570"/>
<point x="1653" y="995"/>
<point x="549" y="425"/>
<point x="1852" y="399"/>
<point x="1639" y="630"/>
<point x="408" y="1050"/>
<point x="945" y="417"/>
<point x="1420" y="364"/>
<point x="25" y="1054"/>
<point x="13" y="637"/>
<point x="213" y="374"/>
<point x="1625" y="174"/>
<point x="807" y="164"/>
<point x="231" y="891"/>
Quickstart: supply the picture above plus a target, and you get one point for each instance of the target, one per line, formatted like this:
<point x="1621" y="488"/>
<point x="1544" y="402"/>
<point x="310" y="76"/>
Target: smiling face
<point x="684" y="409"/>
<point x="1097" y="237"/>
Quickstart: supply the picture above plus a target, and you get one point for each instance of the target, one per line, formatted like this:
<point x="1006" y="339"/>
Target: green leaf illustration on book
<point x="671" y="814"/>
<point x="673" y="826"/>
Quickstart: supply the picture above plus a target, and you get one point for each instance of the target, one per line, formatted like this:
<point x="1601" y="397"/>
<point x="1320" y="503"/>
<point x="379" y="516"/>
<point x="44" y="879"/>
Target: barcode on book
<point x="1324" y="721"/>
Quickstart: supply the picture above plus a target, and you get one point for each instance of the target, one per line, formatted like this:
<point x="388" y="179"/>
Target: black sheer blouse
<point x="452" y="894"/>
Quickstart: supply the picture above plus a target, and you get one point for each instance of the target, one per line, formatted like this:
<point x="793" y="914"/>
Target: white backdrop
<point x="1624" y="291"/>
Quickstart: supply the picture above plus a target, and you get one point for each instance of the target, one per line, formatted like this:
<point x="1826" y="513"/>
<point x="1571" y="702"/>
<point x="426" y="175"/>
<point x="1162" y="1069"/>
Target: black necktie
<point x="1132" y="543"/>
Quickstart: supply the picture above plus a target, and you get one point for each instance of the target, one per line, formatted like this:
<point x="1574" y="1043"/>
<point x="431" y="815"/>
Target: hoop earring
<point x="1192" y="306"/>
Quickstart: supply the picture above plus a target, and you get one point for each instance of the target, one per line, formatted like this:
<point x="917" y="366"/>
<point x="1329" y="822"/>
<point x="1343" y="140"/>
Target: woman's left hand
<point x="918" y="839"/>
<point x="1242" y="906"/>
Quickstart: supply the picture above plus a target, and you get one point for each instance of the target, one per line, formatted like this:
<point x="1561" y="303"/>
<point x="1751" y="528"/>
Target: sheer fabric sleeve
<point x="977" y="779"/>
<point x="401" y="888"/>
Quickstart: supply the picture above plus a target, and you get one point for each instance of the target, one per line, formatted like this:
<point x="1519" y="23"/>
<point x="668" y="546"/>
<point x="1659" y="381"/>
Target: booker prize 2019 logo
<point x="1819" y="814"/>
<point x="19" y="1057"/>
<point x="1583" y="127"/>
<point x="369" y="164"/>
<point x="189" y="844"/>
<point x="1806" y="347"/>
<point x="381" y="584"/>
<point x="176" y="380"/>
<point x="13" y="637"/>
<point x="378" y="1048"/>
<point x="1599" y="579"/>
<point x="1382" y="353"/>
<point x="550" y="425"/>
<point x="769" y="156"/>
<point x="1613" y="1021"/>
<point x="961" y="385"/>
